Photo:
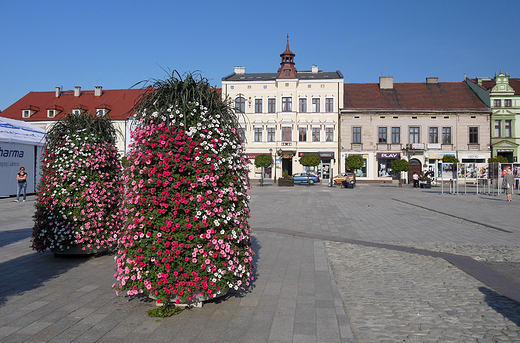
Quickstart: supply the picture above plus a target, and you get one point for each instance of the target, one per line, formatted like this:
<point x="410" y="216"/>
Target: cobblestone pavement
<point x="310" y="286"/>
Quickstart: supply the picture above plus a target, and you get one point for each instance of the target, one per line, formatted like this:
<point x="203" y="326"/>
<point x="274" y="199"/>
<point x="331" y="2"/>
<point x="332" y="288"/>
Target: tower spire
<point x="287" y="69"/>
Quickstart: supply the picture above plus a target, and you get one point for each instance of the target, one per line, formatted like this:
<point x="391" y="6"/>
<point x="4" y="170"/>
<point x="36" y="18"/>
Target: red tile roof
<point x="488" y="84"/>
<point x="412" y="96"/>
<point x="118" y="101"/>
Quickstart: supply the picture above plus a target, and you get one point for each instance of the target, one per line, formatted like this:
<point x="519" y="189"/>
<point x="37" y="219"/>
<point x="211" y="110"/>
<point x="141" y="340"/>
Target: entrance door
<point x="287" y="165"/>
<point x="326" y="171"/>
<point x="415" y="167"/>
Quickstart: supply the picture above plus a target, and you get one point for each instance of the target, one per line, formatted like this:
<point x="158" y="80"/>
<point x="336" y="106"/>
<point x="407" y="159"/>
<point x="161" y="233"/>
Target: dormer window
<point x="79" y="109"/>
<point x="26" y="113"/>
<point x="51" y="113"/>
<point x="100" y="112"/>
<point x="76" y="111"/>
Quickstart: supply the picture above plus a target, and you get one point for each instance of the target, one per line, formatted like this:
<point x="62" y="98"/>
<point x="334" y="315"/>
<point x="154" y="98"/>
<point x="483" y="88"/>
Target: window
<point x="271" y="105"/>
<point x="51" y="113"/>
<point x="258" y="105"/>
<point x="434" y="135"/>
<point x="329" y="134"/>
<point x="415" y="134"/>
<point x="271" y="134"/>
<point x="240" y="104"/>
<point x="286" y="133"/>
<point x="507" y="103"/>
<point x="329" y="105"/>
<point x="286" y="104"/>
<point x="382" y="135"/>
<point x="446" y="135"/>
<point x="78" y="112"/>
<point x="396" y="135"/>
<point x="356" y="134"/>
<point x="100" y="112"/>
<point x="258" y="134"/>
<point x="302" y="134"/>
<point x="303" y="105"/>
<point x="242" y="133"/>
<point x="26" y="113"/>
<point x="498" y="128"/>
<point x="315" y="104"/>
<point x="507" y="128"/>
<point x="497" y="103"/>
<point x="473" y="135"/>
<point x="316" y="134"/>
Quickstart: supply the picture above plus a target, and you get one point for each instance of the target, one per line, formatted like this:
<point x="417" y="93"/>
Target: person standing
<point x="415" y="180"/>
<point x="509" y="182"/>
<point x="21" y="177"/>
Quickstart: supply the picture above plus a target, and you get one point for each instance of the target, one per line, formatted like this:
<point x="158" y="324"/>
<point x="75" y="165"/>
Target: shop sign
<point x="419" y="146"/>
<point x="473" y="157"/>
<point x="326" y="154"/>
<point x="388" y="155"/>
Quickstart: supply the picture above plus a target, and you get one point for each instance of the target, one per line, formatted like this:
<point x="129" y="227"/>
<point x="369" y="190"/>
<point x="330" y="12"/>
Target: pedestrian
<point x="21" y="177"/>
<point x="508" y="184"/>
<point x="415" y="180"/>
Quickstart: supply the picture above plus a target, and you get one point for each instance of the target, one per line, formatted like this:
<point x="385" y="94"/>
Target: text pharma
<point x="11" y="153"/>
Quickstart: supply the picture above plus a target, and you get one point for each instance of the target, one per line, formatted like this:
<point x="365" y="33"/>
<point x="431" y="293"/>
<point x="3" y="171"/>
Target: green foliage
<point x="286" y="174"/>
<point x="400" y="165"/>
<point x="498" y="159"/>
<point x="354" y="162"/>
<point x="263" y="160"/>
<point x="164" y="311"/>
<point x="449" y="159"/>
<point x="310" y="160"/>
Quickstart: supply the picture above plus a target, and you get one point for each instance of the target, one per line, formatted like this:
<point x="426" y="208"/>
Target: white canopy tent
<point x="21" y="145"/>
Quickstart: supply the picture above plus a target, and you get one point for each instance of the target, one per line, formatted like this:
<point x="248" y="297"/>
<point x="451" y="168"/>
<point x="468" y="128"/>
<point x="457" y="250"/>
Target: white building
<point x="288" y="114"/>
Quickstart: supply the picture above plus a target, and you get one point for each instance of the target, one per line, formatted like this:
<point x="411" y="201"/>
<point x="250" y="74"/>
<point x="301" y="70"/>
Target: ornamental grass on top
<point x="80" y="191"/>
<point x="187" y="235"/>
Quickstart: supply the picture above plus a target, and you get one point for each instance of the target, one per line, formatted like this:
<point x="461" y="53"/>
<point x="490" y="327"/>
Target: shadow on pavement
<point x="29" y="272"/>
<point x="12" y="236"/>
<point x="502" y="305"/>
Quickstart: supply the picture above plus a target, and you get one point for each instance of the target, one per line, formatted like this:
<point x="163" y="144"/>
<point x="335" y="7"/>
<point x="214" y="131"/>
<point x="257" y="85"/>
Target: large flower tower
<point x="187" y="237"/>
<point x="78" y="209"/>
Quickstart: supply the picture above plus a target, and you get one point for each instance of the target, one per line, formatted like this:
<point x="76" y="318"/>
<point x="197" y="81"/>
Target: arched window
<point x="240" y="104"/>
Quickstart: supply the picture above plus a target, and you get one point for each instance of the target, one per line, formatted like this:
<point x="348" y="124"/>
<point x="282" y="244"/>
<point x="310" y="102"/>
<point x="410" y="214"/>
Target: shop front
<point x="327" y="162"/>
<point x="384" y="163"/>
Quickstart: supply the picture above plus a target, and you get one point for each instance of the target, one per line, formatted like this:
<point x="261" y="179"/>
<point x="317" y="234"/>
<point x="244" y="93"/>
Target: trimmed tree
<point x="498" y="159"/>
<point x="310" y="160"/>
<point x="400" y="165"/>
<point x="263" y="161"/>
<point x="354" y="162"/>
<point x="81" y="190"/>
<point x="449" y="159"/>
<point x="187" y="237"/>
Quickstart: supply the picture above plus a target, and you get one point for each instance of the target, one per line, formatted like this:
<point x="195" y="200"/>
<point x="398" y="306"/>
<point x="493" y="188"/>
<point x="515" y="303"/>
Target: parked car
<point x="341" y="177"/>
<point x="302" y="178"/>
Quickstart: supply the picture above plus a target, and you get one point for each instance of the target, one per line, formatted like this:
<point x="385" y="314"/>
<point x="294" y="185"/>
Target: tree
<point x="498" y="159"/>
<point x="263" y="161"/>
<point x="309" y="160"/>
<point x="353" y="162"/>
<point x="449" y="159"/>
<point x="400" y="165"/>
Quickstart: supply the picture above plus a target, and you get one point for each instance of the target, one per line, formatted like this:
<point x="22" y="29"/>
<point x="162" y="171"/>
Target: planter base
<point x="286" y="182"/>
<point x="78" y="250"/>
<point x="199" y="300"/>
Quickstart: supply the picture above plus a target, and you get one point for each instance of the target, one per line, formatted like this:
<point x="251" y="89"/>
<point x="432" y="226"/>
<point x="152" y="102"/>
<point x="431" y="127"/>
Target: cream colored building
<point x="288" y="114"/>
<point x="420" y="122"/>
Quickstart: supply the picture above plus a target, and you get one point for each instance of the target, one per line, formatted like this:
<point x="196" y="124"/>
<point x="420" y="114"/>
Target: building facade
<point x="502" y="95"/>
<point x="43" y="109"/>
<point x="420" y="122"/>
<point x="288" y="114"/>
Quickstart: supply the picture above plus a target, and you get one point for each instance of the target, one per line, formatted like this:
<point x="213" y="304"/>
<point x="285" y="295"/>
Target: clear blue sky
<point x="115" y="44"/>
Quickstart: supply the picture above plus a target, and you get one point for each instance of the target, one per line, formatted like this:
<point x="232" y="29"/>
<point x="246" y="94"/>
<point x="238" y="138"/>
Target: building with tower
<point x="288" y="114"/>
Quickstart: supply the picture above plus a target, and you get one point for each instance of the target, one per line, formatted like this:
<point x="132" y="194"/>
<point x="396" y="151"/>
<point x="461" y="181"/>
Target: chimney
<point x="314" y="69"/>
<point x="77" y="91"/>
<point x="98" y="91"/>
<point x="386" y="82"/>
<point x="58" y="92"/>
<point x="240" y="70"/>
<point x="432" y="80"/>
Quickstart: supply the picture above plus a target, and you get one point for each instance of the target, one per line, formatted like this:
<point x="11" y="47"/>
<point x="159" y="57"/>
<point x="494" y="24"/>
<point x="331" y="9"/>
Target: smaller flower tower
<point x="78" y="209"/>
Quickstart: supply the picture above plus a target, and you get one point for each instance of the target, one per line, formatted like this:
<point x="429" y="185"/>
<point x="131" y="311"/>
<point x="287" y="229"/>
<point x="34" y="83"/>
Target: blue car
<point x="302" y="178"/>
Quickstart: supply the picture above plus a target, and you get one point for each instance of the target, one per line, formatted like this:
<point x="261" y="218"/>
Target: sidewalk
<point x="312" y="284"/>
